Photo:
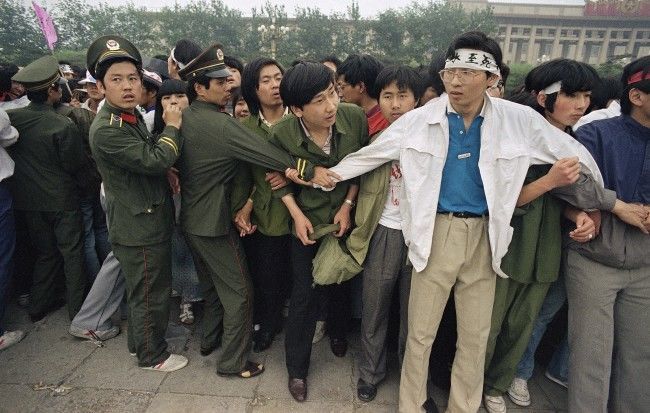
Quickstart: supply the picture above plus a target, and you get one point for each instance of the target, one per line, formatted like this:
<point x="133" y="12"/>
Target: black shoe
<point x="262" y="342"/>
<point x="206" y="351"/>
<point x="339" y="346"/>
<point x="298" y="389"/>
<point x="366" y="392"/>
<point x="52" y="308"/>
<point x="429" y="406"/>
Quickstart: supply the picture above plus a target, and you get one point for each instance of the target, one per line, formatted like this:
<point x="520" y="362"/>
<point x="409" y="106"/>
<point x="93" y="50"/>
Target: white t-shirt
<point x="391" y="217"/>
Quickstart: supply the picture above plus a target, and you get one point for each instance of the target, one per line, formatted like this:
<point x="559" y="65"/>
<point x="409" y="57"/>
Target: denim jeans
<point x="555" y="299"/>
<point x="96" y="244"/>
<point x="7" y="244"/>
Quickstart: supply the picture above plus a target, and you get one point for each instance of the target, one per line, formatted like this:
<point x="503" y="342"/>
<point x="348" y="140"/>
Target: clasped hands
<point x="323" y="178"/>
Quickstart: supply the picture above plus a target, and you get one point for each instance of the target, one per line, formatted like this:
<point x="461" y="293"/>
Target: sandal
<point x="250" y="370"/>
<point x="186" y="316"/>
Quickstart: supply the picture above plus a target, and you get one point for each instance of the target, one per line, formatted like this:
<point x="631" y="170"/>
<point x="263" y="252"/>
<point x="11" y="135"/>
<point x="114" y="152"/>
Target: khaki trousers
<point x="460" y="259"/>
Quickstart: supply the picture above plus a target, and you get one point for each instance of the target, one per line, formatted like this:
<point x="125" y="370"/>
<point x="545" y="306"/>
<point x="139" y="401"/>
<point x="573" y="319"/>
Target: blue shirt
<point x="461" y="189"/>
<point x="621" y="148"/>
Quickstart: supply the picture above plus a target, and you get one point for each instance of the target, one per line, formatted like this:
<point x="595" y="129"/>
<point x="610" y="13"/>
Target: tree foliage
<point x="409" y="35"/>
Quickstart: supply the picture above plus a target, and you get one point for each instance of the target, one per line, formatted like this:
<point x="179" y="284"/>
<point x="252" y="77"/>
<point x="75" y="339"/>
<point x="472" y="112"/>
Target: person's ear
<point x="541" y="99"/>
<point x="296" y="111"/>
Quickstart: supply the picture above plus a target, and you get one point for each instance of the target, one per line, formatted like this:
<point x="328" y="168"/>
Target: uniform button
<point x="461" y="132"/>
<point x="149" y="210"/>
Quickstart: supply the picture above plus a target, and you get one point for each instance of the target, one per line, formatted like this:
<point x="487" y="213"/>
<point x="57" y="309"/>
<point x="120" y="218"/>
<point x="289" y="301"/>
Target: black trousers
<point x="268" y="261"/>
<point x="303" y="309"/>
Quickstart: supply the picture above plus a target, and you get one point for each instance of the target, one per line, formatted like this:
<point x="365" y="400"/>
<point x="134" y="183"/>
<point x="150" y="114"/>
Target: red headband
<point x="637" y="77"/>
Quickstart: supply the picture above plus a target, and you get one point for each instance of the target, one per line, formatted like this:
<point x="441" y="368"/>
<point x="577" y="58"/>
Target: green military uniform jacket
<point x="535" y="251"/>
<point x="133" y="167"/>
<point x="269" y="212"/>
<point x="349" y="134"/>
<point x="88" y="178"/>
<point x="214" y="142"/>
<point x="48" y="155"/>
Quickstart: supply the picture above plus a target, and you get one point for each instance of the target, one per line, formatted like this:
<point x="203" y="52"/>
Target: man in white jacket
<point x="464" y="159"/>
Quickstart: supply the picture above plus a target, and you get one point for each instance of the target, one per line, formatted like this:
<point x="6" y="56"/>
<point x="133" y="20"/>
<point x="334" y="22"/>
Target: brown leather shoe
<point x="298" y="389"/>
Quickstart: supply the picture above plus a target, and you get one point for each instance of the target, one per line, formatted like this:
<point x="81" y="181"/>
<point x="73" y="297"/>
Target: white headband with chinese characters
<point x="552" y="88"/>
<point x="472" y="59"/>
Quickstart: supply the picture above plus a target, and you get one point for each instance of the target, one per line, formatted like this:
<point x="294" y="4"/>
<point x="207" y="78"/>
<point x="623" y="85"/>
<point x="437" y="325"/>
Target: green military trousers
<point x="515" y="310"/>
<point x="57" y="237"/>
<point x="148" y="274"/>
<point x="228" y="292"/>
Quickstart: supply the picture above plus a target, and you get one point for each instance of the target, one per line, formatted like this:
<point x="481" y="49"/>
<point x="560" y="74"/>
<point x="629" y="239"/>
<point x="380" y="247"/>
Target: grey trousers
<point x="104" y="297"/>
<point x="609" y="337"/>
<point x="383" y="269"/>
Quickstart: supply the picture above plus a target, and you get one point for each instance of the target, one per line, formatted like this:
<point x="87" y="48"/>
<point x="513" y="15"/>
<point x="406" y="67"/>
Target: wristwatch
<point x="350" y="202"/>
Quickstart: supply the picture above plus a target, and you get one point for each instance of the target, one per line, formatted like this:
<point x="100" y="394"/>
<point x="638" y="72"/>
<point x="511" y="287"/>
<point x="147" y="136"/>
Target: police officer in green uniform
<point x="48" y="155"/>
<point x="139" y="205"/>
<point x="214" y="141"/>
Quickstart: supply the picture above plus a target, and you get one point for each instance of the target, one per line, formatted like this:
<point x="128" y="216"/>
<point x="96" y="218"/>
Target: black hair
<point x="161" y="57"/>
<point x="361" y="68"/>
<point x="479" y="41"/>
<point x="150" y="87"/>
<point x="575" y="77"/>
<point x="525" y="98"/>
<point x="7" y="71"/>
<point x="332" y="59"/>
<point x="436" y="65"/>
<point x="303" y="81"/>
<point x="640" y="65"/>
<point x="38" y="96"/>
<point x="233" y="62"/>
<point x="610" y="88"/>
<point x="185" y="50"/>
<point x="404" y="76"/>
<point x="250" y="81"/>
<point x="200" y="80"/>
<point x="505" y="72"/>
<point x="102" y="68"/>
<point x="168" y="87"/>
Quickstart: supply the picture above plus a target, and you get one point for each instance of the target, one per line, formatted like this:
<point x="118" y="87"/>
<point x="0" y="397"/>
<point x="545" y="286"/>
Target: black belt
<point x="462" y="214"/>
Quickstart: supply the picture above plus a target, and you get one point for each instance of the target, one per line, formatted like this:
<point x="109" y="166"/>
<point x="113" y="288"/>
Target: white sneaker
<point x="556" y="380"/>
<point x="174" y="362"/>
<point x="9" y="338"/>
<point x="494" y="404"/>
<point x="320" y="332"/>
<point x="518" y="392"/>
<point x="98" y="335"/>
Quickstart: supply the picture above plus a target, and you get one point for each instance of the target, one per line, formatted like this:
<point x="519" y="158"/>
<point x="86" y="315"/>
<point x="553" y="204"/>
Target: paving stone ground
<point x="51" y="371"/>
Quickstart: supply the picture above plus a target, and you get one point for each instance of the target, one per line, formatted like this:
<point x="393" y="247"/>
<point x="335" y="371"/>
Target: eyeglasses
<point x="464" y="75"/>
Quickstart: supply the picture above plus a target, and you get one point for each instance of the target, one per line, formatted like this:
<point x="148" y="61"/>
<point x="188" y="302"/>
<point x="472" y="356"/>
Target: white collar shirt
<point x="611" y="111"/>
<point x="513" y="137"/>
<point x="8" y="136"/>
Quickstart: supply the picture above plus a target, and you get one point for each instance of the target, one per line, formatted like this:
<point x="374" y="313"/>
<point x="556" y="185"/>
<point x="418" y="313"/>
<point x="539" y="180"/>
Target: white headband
<point x="552" y="88"/>
<point x="472" y="59"/>
<point x="181" y="65"/>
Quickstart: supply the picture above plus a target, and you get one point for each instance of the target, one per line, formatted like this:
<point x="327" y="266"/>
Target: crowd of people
<point x="343" y="190"/>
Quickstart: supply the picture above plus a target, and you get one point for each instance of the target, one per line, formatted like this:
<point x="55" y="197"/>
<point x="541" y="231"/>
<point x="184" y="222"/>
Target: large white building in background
<point x="594" y="32"/>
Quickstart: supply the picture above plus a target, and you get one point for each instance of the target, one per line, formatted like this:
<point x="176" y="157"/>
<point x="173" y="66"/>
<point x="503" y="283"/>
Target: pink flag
<point x="46" y="24"/>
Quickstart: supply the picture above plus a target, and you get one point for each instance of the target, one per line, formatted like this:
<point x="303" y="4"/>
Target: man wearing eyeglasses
<point x="464" y="159"/>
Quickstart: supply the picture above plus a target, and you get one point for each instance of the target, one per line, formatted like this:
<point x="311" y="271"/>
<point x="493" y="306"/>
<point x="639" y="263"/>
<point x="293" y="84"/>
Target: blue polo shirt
<point x="461" y="189"/>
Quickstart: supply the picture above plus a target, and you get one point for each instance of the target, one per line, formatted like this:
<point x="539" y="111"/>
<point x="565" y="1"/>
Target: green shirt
<point x="535" y="250"/>
<point x="214" y="142"/>
<point x="349" y="134"/>
<point x="48" y="155"/>
<point x="133" y="167"/>
<point x="269" y="212"/>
